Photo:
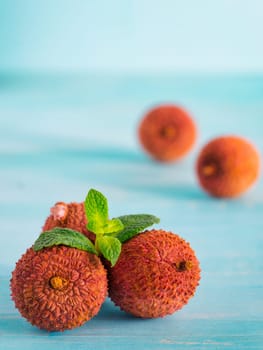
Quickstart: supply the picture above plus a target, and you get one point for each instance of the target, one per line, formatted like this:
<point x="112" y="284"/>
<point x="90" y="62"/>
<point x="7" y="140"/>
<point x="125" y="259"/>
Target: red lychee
<point x="58" y="288"/>
<point x="167" y="133"/>
<point x="155" y="275"/>
<point x="227" y="166"/>
<point x="71" y="215"/>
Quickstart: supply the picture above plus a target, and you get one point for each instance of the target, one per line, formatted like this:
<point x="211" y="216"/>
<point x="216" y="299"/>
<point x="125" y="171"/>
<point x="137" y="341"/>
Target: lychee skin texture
<point x="58" y="288"/>
<point x="167" y="133"/>
<point x="227" y="166"/>
<point x="71" y="215"/>
<point x="156" y="274"/>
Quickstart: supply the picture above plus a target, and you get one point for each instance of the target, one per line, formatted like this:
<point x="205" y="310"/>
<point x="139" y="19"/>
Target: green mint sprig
<point x="110" y="233"/>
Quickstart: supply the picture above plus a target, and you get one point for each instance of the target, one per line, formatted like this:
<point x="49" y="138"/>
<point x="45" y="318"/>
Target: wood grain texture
<point x="60" y="136"/>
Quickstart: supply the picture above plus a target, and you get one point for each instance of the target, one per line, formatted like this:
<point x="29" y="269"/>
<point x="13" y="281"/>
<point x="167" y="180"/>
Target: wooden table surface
<point x="62" y="135"/>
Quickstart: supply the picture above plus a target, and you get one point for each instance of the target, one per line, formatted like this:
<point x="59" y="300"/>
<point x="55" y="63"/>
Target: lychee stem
<point x="183" y="266"/>
<point x="209" y="169"/>
<point x="98" y="236"/>
<point x="57" y="282"/>
<point x="168" y="132"/>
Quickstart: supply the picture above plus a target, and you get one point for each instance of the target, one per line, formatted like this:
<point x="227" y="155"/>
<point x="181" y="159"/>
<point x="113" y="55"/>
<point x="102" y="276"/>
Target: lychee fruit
<point x="58" y="288"/>
<point x="167" y="133"/>
<point x="156" y="274"/>
<point x="227" y="166"/>
<point x="69" y="215"/>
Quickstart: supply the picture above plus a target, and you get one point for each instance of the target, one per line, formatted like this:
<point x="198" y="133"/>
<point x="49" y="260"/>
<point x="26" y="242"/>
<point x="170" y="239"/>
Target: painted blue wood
<point x="61" y="135"/>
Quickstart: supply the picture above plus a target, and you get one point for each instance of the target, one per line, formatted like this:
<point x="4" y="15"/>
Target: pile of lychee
<point x="82" y="256"/>
<point x="226" y="166"/>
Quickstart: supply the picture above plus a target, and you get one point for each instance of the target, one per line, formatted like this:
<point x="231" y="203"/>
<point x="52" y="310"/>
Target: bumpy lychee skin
<point x="167" y="133"/>
<point x="156" y="274"/>
<point x="58" y="288"/>
<point x="71" y="215"/>
<point x="227" y="166"/>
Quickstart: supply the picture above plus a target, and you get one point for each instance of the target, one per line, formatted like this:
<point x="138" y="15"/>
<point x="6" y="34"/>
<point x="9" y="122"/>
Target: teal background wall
<point x="131" y="35"/>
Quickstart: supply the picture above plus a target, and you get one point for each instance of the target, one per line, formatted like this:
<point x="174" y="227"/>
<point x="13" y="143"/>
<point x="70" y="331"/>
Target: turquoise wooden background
<point x="63" y="134"/>
<point x="131" y="35"/>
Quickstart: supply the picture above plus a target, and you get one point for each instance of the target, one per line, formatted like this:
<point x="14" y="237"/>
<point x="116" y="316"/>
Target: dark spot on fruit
<point x="168" y="132"/>
<point x="182" y="266"/>
<point x="209" y="169"/>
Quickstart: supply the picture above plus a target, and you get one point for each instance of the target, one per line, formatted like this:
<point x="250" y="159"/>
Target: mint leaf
<point x="96" y="209"/>
<point x="113" y="226"/>
<point x="64" y="236"/>
<point x="110" y="248"/>
<point x="134" y="224"/>
<point x="95" y="227"/>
